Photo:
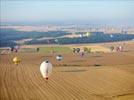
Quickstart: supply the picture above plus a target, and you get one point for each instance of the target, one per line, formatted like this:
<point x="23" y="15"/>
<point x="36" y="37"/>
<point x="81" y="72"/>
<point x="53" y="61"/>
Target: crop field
<point x="95" y="76"/>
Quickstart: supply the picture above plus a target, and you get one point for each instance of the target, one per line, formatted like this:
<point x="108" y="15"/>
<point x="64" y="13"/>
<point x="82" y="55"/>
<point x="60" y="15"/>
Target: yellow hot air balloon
<point x="16" y="60"/>
<point x="88" y="34"/>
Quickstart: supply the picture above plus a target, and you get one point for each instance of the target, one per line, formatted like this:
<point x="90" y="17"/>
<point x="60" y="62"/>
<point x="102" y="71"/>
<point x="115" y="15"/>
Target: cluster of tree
<point x="94" y="38"/>
<point x="76" y="50"/>
<point x="7" y="43"/>
<point x="35" y="41"/>
<point x="88" y="50"/>
<point x="98" y="38"/>
<point x="8" y="36"/>
<point x="18" y="35"/>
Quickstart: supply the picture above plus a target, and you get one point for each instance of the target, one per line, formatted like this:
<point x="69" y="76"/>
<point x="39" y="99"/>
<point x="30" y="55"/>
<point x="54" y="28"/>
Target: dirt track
<point x="93" y="77"/>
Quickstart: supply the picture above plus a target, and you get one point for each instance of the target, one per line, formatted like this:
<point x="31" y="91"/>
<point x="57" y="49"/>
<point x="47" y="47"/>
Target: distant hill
<point x="10" y="37"/>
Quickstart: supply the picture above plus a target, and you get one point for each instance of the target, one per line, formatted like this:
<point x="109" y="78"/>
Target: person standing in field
<point x="82" y="54"/>
<point x="38" y="49"/>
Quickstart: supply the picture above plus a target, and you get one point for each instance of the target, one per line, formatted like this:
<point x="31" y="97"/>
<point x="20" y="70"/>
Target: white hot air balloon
<point x="59" y="57"/>
<point x="56" y="40"/>
<point x="111" y="36"/>
<point x="81" y="35"/>
<point x="46" y="69"/>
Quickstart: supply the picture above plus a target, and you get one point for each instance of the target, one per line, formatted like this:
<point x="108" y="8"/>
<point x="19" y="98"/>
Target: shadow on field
<point x="73" y="65"/>
<point x="96" y="56"/>
<point x="47" y="56"/>
<point x="78" y="61"/>
<point x="97" y="65"/>
<point x="66" y="65"/>
<point x="74" y="70"/>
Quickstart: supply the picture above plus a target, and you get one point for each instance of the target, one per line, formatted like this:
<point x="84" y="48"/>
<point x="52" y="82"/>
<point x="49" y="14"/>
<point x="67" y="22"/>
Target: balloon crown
<point x="47" y="61"/>
<point x="60" y="55"/>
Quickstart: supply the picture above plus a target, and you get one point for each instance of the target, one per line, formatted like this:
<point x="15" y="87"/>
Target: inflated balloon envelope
<point x="59" y="57"/>
<point x="16" y="60"/>
<point x="46" y="69"/>
<point x="81" y="35"/>
<point x="111" y="36"/>
<point x="88" y="34"/>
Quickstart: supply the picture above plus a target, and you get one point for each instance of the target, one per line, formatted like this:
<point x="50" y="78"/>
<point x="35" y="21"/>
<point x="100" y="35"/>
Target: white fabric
<point x="59" y="57"/>
<point x="45" y="69"/>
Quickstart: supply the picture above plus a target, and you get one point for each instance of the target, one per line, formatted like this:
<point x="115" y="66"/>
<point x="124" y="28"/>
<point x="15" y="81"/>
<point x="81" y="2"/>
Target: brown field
<point x="100" y="76"/>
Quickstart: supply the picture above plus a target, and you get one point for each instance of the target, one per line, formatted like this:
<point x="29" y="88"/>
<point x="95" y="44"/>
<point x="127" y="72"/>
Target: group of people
<point x="118" y="48"/>
<point x="78" y="50"/>
<point x="15" y="49"/>
<point x="10" y="50"/>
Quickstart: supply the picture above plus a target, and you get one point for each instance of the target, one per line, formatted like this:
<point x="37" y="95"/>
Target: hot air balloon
<point x="111" y="36"/>
<point x="120" y="48"/>
<point x="56" y="40"/>
<point x="46" y="69"/>
<point x="16" y="48"/>
<point x="59" y="57"/>
<point x="82" y="54"/>
<point x="88" y="34"/>
<point x="16" y="60"/>
<point x="81" y="35"/>
<point x="12" y="49"/>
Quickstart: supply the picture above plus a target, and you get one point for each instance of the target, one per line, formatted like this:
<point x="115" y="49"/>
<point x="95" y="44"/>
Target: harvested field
<point x="101" y="76"/>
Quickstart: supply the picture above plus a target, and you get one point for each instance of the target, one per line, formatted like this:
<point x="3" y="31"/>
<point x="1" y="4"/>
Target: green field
<point x="57" y="49"/>
<point x="48" y="49"/>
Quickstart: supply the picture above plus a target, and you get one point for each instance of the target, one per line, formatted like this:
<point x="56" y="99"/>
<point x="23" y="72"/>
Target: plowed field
<point x="102" y="76"/>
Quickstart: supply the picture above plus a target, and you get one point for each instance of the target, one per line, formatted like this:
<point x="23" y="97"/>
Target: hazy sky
<point x="121" y="11"/>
